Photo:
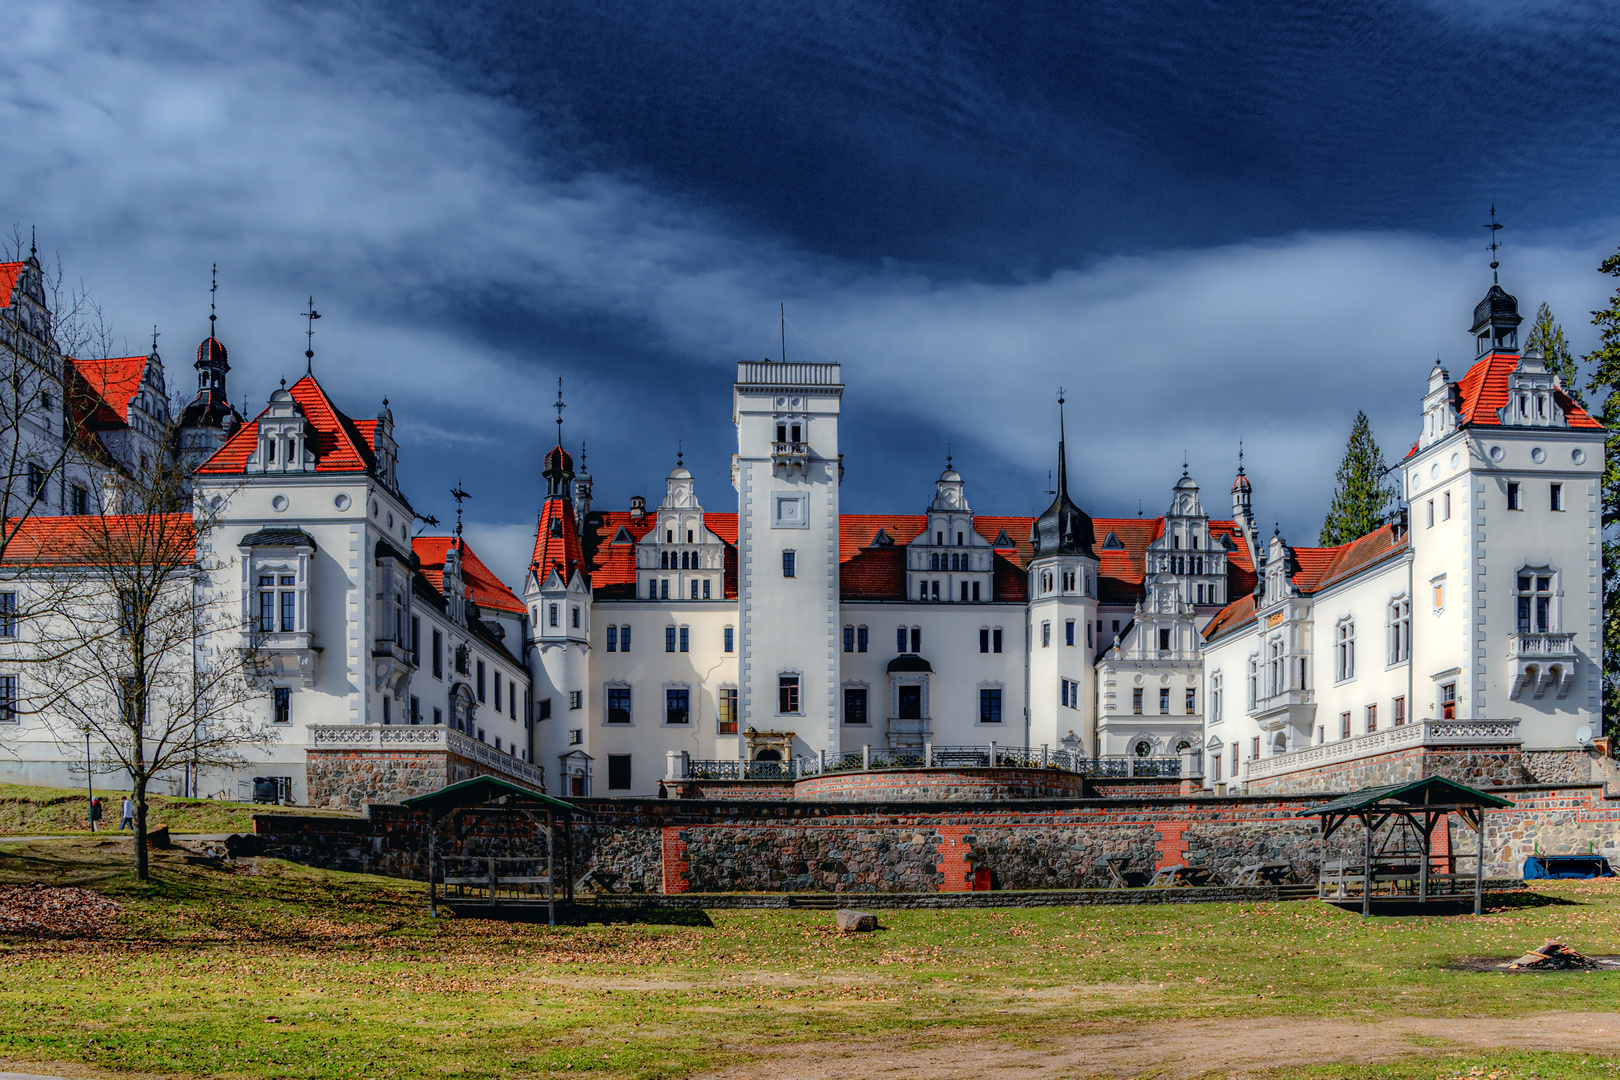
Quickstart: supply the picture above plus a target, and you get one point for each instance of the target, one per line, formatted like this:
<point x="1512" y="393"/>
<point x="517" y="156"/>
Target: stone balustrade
<point x="1416" y="734"/>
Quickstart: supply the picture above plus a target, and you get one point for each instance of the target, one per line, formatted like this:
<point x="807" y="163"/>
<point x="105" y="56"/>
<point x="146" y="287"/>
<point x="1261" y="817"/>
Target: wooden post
<point x="1423" y="868"/>
<point x="551" y="869"/>
<point x="568" y="859"/>
<point x="1479" y="863"/>
<point x="1366" y="865"/>
<point x="492" y="881"/>
<point x="433" y="903"/>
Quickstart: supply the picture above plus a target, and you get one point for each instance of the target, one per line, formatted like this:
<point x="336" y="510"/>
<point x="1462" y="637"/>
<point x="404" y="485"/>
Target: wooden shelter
<point x="1403" y="864"/>
<point x="503" y="813"/>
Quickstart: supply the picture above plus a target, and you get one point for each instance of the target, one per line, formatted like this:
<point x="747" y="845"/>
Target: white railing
<point x="1417" y="733"/>
<point x="769" y="374"/>
<point x="381" y="737"/>
<point x="1547" y="646"/>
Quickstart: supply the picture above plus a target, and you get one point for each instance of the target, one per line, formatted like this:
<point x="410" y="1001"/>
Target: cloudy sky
<point x="1206" y="221"/>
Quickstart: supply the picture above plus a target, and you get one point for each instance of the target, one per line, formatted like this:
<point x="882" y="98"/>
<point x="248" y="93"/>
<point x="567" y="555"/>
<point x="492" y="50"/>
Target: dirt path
<point x="1179" y="1049"/>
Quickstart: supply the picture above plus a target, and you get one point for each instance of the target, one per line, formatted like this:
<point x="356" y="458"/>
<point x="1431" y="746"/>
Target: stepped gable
<point x="483" y="587"/>
<point x="1484" y="390"/>
<point x="82" y="539"/>
<point x="338" y="443"/>
<point x="1318" y="568"/>
<point x="613" y="565"/>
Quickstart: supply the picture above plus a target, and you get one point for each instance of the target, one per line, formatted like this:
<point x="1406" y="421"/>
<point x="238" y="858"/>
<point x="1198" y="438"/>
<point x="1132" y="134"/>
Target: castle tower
<point x="786" y="472"/>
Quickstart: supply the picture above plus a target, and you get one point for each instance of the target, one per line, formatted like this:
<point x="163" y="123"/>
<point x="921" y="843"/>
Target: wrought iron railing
<point x="988" y="756"/>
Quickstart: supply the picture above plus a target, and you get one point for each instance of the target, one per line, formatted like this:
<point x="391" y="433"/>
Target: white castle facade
<point x="649" y="644"/>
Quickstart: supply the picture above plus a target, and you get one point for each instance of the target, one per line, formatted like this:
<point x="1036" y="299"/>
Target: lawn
<point x="26" y="810"/>
<point x="267" y="969"/>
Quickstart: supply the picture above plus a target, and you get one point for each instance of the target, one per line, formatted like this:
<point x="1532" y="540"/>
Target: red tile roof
<point x="1484" y="390"/>
<point x="9" y="273"/>
<point x="1318" y="567"/>
<point x="556" y="542"/>
<point x="90" y="539"/>
<point x="114" y="382"/>
<point x="339" y="443"/>
<point x="485" y="589"/>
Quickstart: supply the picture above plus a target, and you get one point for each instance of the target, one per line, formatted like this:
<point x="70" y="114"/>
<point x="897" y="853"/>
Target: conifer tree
<point x="1548" y="337"/>
<point x="1362" y="490"/>
<point x="1604" y="364"/>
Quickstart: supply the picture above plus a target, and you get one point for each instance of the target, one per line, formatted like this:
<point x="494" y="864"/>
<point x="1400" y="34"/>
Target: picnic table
<point x="1262" y="873"/>
<point x="1180" y="875"/>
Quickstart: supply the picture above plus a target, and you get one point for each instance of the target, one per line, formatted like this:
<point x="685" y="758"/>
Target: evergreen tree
<point x="1547" y="336"/>
<point x="1604" y="364"/>
<point x="1362" y="490"/>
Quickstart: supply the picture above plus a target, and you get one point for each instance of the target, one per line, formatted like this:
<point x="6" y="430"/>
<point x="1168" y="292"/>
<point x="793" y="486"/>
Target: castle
<point x="780" y="637"/>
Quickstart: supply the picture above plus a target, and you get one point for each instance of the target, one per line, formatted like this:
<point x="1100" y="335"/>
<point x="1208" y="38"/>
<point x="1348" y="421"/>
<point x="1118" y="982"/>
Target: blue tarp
<point x="1567" y="866"/>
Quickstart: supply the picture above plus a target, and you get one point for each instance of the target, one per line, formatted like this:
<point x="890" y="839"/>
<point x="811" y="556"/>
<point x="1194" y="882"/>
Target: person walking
<point x="129" y="816"/>
<point x="95" y="812"/>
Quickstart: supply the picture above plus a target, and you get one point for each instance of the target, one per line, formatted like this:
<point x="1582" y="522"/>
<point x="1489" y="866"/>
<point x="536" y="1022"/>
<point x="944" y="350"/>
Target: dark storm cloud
<point x="1204" y="224"/>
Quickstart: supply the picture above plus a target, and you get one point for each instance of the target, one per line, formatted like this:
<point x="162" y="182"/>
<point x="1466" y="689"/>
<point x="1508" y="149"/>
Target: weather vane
<point x="213" y="288"/>
<point x="459" y="494"/>
<point x="154" y="339"/>
<point x="680" y="453"/>
<point x="1495" y="227"/>
<point x="559" y="406"/>
<point x="309" y="336"/>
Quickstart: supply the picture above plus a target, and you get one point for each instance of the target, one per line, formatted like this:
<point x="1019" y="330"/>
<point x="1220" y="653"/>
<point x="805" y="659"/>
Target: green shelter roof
<point x="483" y="790"/>
<point x="1430" y="791"/>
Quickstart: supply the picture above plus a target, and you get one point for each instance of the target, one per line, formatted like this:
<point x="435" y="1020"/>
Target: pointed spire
<point x="559" y="406"/>
<point x="309" y="336"/>
<point x="212" y="289"/>
<point x="1063" y="467"/>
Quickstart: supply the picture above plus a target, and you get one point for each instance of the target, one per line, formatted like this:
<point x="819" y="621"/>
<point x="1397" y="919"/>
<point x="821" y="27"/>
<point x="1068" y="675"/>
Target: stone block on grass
<point x="856" y="922"/>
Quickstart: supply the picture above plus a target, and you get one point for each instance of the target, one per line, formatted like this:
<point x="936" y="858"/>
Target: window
<point x="787" y="564"/>
<point x="730" y="639"/>
<point x="545" y="709"/>
<point x="1254" y="680"/>
<point x="480" y="681"/>
<point x="1277" y="676"/>
<point x="1400" y="630"/>
<point x="1136" y="701"/>
<point x="849" y="639"/>
<point x="1344" y="651"/>
<point x="1344" y="725"/>
<point x="416" y="710"/>
<point x="1372" y="719"/>
<point x="1398" y="712"/>
<point x="916" y="639"/>
<point x="995" y="639"/>
<point x="576" y="699"/>
<point x="8" y="614"/>
<point x="1215" y="768"/>
<point x="1513" y="496"/>
<point x="984" y="639"/>
<point x="686" y="639"/>
<point x="1216" y="696"/>
<point x="551" y="615"/>
<point x="705" y="588"/>
<point x="1070" y="694"/>
<point x="282" y="700"/>
<point x="787" y="694"/>
<point x="855" y="705"/>
<point x="574" y="617"/>
<point x="860" y="639"/>
<point x="1164" y="701"/>
<point x="1046" y="635"/>
<point x="278" y="603"/>
<point x="975" y="592"/>
<point x="694" y="590"/>
<point x="438" y="717"/>
<point x="669" y="639"/>
<point x="1428" y="514"/>
<point x="618" y="772"/>
<point x="663" y="589"/>
<point x="36" y="481"/>
<point x="438" y="654"/>
<point x="1254" y="747"/>
<point x="908" y="701"/>
<point x="1445" y="506"/>
<point x="900" y="640"/>
<point x="1164" y="641"/>
<point x="1556" y="494"/>
<point x="1068" y="633"/>
<point x="79" y="500"/>
<point x="624" y="638"/>
<point x="1535" y="602"/>
<point x="618" y="705"/>
<point x="1448" y="701"/>
<point x="613" y="639"/>
<point x="964" y="592"/>
<point x="1438" y="588"/>
<point x="728" y="711"/>
<point x="989" y="705"/>
<point x="1234" y="761"/>
<point x="1192" y="701"/>
<point x="497" y="691"/>
<point x="677" y="705"/>
<point x="511" y="700"/>
<point x="576" y="736"/>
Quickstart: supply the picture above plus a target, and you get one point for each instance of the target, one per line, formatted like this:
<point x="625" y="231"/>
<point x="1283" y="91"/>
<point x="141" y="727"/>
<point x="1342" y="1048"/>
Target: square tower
<point x="786" y="473"/>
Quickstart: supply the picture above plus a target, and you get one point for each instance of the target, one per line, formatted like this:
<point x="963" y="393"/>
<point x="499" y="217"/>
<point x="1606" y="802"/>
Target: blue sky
<point x="1207" y="222"/>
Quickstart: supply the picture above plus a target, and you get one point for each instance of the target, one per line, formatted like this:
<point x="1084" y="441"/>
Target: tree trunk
<point x="139" y="795"/>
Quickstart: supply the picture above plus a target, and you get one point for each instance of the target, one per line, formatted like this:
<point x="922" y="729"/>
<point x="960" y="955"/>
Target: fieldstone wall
<point x="942" y="785"/>
<point x="1482" y="768"/>
<point x="351" y="779"/>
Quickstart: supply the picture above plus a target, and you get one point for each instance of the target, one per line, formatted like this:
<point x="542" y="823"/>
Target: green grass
<point x="26" y="810"/>
<point x="271" y="970"/>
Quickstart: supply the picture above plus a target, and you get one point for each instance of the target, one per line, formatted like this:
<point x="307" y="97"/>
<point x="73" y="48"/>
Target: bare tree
<point x="132" y="643"/>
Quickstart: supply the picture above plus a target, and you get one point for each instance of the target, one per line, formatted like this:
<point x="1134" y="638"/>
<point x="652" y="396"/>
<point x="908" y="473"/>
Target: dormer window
<point x="270" y="450"/>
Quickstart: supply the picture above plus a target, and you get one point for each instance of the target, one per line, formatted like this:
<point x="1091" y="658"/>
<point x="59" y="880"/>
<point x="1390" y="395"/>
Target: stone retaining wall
<point x="674" y="846"/>
<point x="350" y="779"/>
<point x="1489" y="767"/>
<point x="942" y="785"/>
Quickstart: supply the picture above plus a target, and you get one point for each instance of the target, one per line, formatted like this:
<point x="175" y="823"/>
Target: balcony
<point x="1539" y="662"/>
<point x="790" y="455"/>
<point x="283" y="656"/>
<point x="910" y="732"/>
<point x="392" y="664"/>
<point x="1284" y="709"/>
<point x="1418" y="733"/>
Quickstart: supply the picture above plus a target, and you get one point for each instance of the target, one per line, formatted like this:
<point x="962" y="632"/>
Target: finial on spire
<point x="680" y="453"/>
<point x="212" y="289"/>
<point x="1184" y="464"/>
<point x="784" y="333"/>
<point x="284" y="383"/>
<point x="1240" y="457"/>
<point x="947" y="455"/>
<point x="582" y="455"/>
<point x="309" y="337"/>
<point x="1495" y="227"/>
<point x="33" y="241"/>
<point x="559" y="406"/>
<point x="154" y="339"/>
<point x="459" y="494"/>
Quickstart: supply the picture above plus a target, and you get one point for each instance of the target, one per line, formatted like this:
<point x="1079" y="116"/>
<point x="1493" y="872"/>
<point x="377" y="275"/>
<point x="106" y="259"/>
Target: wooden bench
<point x="1338" y="875"/>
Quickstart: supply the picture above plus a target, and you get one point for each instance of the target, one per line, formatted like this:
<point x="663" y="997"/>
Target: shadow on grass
<point x="1494" y="903"/>
<point x="581" y="914"/>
